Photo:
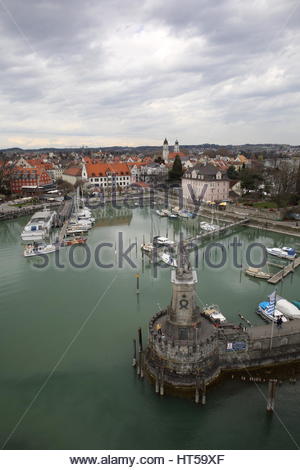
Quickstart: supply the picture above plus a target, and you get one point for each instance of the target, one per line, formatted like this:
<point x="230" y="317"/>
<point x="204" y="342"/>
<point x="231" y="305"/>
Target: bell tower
<point x="165" y="153"/>
<point x="176" y="147"/>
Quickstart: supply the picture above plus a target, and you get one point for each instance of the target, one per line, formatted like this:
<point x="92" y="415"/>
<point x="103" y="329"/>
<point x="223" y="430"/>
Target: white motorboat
<point x="36" y="249"/>
<point x="213" y="313"/>
<point x="162" y="241"/>
<point x="263" y="311"/>
<point x="172" y="216"/>
<point x="209" y="227"/>
<point x="161" y="213"/>
<point x="168" y="259"/>
<point x="285" y="252"/>
<point x="287" y="309"/>
<point x="39" y="226"/>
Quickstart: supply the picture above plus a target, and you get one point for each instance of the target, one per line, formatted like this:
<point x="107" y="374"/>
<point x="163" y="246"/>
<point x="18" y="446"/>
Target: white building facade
<point x="205" y="182"/>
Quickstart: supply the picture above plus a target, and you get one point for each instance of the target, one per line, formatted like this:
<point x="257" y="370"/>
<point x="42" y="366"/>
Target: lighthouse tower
<point x="176" y="147"/>
<point x="165" y="153"/>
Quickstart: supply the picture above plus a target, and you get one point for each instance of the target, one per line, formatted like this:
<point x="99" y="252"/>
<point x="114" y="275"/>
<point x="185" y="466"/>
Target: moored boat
<point x="284" y="252"/>
<point x="296" y="303"/>
<point x="264" y="311"/>
<point x="287" y="309"/>
<point x="39" y="226"/>
<point x="36" y="249"/>
<point x="213" y="313"/>
<point x="75" y="241"/>
<point x="168" y="259"/>
<point x="256" y="272"/>
<point x="162" y="241"/>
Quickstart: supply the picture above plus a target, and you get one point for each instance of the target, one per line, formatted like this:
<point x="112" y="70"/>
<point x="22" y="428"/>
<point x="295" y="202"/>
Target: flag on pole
<point x="271" y="307"/>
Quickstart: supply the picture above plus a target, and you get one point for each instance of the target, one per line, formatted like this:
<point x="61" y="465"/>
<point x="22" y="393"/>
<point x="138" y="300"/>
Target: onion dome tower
<point x="176" y="147"/>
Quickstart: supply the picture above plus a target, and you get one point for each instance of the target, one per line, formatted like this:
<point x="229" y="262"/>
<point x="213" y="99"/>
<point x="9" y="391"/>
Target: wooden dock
<point x="290" y="268"/>
<point x="221" y="230"/>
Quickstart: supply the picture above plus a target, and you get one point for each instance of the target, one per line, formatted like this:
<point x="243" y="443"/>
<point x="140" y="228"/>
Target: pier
<point x="290" y="268"/>
<point x="221" y="230"/>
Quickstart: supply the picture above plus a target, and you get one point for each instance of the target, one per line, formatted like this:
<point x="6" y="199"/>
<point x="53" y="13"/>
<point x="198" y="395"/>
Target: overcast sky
<point x="130" y="72"/>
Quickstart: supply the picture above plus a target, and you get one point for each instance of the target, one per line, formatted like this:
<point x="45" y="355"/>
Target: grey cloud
<point x="141" y="69"/>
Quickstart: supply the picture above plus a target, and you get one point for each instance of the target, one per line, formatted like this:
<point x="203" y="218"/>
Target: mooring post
<point x="141" y="364"/>
<point x="161" y="388"/>
<point x="271" y="394"/>
<point x="140" y="339"/>
<point x="134" y="353"/>
<point x="203" y="398"/>
<point x="156" y="381"/>
<point x="197" y="394"/>
<point x="137" y="283"/>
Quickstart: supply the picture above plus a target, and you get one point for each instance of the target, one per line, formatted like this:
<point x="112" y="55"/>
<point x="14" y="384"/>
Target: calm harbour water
<point x="66" y="380"/>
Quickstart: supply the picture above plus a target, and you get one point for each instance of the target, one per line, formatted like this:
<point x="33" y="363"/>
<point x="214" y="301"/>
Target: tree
<point x="250" y="179"/>
<point x="232" y="173"/>
<point x="159" y="160"/>
<point x="6" y="173"/>
<point x="176" y="172"/>
<point x="284" y="183"/>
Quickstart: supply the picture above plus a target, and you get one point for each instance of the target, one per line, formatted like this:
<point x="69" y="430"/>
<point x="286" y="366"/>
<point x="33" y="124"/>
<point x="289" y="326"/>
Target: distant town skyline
<point x="130" y="73"/>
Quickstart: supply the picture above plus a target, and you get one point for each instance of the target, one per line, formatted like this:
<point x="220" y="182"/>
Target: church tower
<point x="165" y="153"/>
<point x="176" y="147"/>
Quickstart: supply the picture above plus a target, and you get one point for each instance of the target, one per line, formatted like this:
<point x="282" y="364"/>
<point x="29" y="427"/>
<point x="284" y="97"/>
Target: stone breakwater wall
<point x="227" y="348"/>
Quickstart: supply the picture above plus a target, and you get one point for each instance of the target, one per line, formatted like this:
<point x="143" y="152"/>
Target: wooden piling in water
<point x="134" y="354"/>
<point x="140" y="339"/>
<point x="271" y="394"/>
<point x="203" y="397"/>
<point x="141" y="364"/>
<point x="137" y="283"/>
<point x="161" y="385"/>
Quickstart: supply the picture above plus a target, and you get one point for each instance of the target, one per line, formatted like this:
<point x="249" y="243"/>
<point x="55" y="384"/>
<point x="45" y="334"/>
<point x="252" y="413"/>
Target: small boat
<point x="36" y="249"/>
<point x="78" y="228"/>
<point x="263" y="311"/>
<point x="213" y="313"/>
<point x="185" y="214"/>
<point x="172" y="216"/>
<point x="287" y="308"/>
<point x="296" y="303"/>
<point x="147" y="247"/>
<point x="162" y="241"/>
<point x="168" y="259"/>
<point x="284" y="252"/>
<point x="256" y="272"/>
<point x="75" y="241"/>
<point x="161" y="213"/>
<point x="209" y="227"/>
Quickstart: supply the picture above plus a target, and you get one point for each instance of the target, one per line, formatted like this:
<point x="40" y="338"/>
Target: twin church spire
<point x="165" y="154"/>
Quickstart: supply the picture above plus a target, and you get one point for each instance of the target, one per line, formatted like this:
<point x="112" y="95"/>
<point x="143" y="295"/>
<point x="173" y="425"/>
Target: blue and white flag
<point x="271" y="307"/>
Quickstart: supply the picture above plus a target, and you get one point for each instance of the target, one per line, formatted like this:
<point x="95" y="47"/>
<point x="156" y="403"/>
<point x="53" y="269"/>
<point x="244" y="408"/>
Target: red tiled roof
<point x="173" y="154"/>
<point x="100" y="169"/>
<point x="73" y="171"/>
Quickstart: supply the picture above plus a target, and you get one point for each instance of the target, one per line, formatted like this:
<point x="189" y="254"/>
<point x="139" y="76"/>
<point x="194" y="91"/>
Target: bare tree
<point x="283" y="183"/>
<point x="6" y="172"/>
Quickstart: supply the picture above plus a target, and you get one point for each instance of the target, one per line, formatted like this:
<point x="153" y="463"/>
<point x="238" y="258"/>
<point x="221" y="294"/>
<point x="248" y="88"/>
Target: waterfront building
<point x="106" y="175"/>
<point x="29" y="179"/>
<point x="72" y="174"/>
<point x="205" y="181"/>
